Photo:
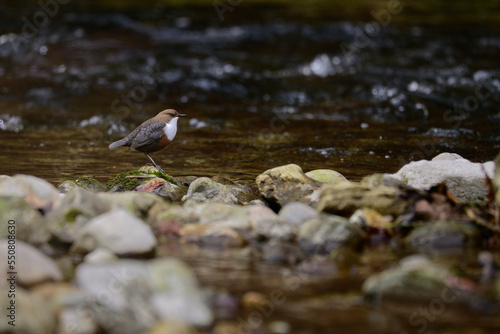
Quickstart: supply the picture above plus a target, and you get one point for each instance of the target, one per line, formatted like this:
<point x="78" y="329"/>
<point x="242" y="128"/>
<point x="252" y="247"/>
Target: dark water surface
<point x="319" y="84"/>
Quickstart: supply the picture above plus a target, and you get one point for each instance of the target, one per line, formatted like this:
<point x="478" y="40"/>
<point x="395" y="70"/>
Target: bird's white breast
<point x="170" y="129"/>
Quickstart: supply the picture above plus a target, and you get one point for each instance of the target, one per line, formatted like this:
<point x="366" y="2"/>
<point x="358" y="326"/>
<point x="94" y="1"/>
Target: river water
<point x="358" y="87"/>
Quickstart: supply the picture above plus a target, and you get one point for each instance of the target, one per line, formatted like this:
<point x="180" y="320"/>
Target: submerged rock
<point x="285" y="184"/>
<point x="39" y="193"/>
<point x="118" y="231"/>
<point x="130" y="296"/>
<point x="326" y="232"/>
<point x="32" y="266"/>
<point x="29" y="224"/>
<point x="345" y="198"/>
<point x="326" y="176"/>
<point x="77" y="208"/>
<point x="465" y="179"/>
<point x="443" y="234"/>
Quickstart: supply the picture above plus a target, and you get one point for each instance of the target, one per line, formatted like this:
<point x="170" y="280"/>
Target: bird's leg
<point x="154" y="163"/>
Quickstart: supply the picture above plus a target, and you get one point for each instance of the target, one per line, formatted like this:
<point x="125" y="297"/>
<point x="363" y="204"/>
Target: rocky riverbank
<point x="88" y="258"/>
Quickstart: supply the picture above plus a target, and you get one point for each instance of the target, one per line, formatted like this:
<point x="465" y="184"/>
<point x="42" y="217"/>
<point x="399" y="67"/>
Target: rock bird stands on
<point x="152" y="135"/>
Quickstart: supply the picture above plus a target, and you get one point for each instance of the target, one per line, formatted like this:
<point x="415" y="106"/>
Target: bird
<point x="152" y="135"/>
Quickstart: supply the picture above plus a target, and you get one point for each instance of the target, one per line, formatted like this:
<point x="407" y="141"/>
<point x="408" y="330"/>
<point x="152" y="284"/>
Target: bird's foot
<point x="159" y="168"/>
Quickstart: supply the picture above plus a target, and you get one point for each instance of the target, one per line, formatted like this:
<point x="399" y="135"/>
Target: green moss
<point x="71" y="214"/>
<point x="166" y="177"/>
<point x="90" y="183"/>
<point x="122" y="183"/>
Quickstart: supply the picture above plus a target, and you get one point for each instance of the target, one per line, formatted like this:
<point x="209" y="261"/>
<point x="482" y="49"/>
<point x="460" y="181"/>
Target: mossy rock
<point x="326" y="176"/>
<point x="129" y="181"/>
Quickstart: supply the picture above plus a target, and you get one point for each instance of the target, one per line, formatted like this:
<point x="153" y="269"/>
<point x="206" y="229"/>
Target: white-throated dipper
<point x="152" y="135"/>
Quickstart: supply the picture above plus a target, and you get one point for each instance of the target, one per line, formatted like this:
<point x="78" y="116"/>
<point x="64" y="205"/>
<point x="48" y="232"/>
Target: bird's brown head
<point x="167" y="115"/>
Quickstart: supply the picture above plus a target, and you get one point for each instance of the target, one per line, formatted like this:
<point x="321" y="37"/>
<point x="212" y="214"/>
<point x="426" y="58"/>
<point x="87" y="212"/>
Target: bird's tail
<point x="118" y="143"/>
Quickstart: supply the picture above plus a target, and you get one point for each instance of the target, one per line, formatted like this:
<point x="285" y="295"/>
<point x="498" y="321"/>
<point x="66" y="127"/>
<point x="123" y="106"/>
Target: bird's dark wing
<point x="147" y="134"/>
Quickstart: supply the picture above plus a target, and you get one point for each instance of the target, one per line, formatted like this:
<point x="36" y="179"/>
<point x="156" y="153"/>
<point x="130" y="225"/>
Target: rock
<point x="137" y="203"/>
<point x="170" y="221"/>
<point x="382" y="179"/>
<point x="32" y="315"/>
<point x="163" y="288"/>
<point x="171" y="327"/>
<point x="442" y="234"/>
<point x="416" y="279"/>
<point x="265" y="223"/>
<point x="110" y="288"/>
<point x="464" y="179"/>
<point x="206" y="190"/>
<point x="345" y="198"/>
<point x="285" y="184"/>
<point x="219" y="214"/>
<point x="100" y="255"/>
<point x="84" y="182"/>
<point x="209" y="235"/>
<point x="296" y="213"/>
<point x="496" y="179"/>
<point x="277" y="251"/>
<point x="326" y="176"/>
<point x="69" y="303"/>
<point x="118" y="231"/>
<point x="77" y="208"/>
<point x="322" y="234"/>
<point x="39" y="193"/>
<point x="67" y="186"/>
<point x="176" y="293"/>
<point x="369" y="218"/>
<point x="32" y="266"/>
<point x="28" y="222"/>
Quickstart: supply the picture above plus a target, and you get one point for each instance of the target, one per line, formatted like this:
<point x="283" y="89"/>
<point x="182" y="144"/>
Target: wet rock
<point x="100" y="255"/>
<point x="369" y="218"/>
<point x="32" y="315"/>
<point x="496" y="179"/>
<point x="28" y="222"/>
<point x="139" y="204"/>
<point x="164" y="289"/>
<point x="170" y="221"/>
<point x="118" y="231"/>
<point x="345" y="198"/>
<point x="84" y="182"/>
<point x="382" y="179"/>
<point x="442" y="234"/>
<point x="33" y="267"/>
<point x="68" y="303"/>
<point x="215" y="236"/>
<point x="296" y="213"/>
<point x="322" y="234"/>
<point x="233" y="216"/>
<point x="326" y="176"/>
<point x="77" y="208"/>
<point x="277" y="251"/>
<point x="265" y="223"/>
<point x="176" y="293"/>
<point x="416" y="279"/>
<point x="171" y="327"/>
<point x="285" y="184"/>
<point x="205" y="190"/>
<point x="464" y="179"/>
<point x="39" y="193"/>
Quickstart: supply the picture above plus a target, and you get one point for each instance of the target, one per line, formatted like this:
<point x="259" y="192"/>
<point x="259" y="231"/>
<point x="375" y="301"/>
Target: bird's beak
<point x="183" y="115"/>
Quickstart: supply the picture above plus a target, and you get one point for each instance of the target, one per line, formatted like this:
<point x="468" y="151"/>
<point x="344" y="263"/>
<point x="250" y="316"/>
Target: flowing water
<point x="339" y="85"/>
